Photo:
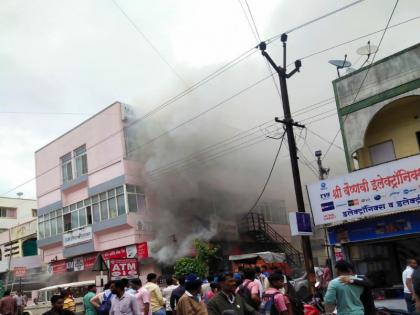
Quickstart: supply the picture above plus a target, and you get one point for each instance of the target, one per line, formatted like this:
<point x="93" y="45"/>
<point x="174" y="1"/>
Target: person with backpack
<point x="273" y="302"/>
<point x="102" y="301"/>
<point x="249" y="289"/>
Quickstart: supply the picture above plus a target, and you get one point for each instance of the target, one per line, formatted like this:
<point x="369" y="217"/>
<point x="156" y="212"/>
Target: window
<point x="104" y="210"/>
<point x="67" y="222"/>
<point x="80" y="157"/>
<point x="74" y="219"/>
<point x="121" y="204"/>
<point x="34" y="213"/>
<point x="41" y="230"/>
<point x="132" y="202"/>
<point x="66" y="168"/>
<point x="382" y="152"/>
<point x="112" y="207"/>
<point x="96" y="213"/>
<point x="275" y="213"/>
<point x="89" y="214"/>
<point x="8" y="212"/>
<point x="82" y="217"/>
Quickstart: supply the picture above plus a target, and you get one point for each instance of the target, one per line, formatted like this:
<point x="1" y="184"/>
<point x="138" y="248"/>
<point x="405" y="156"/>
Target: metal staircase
<point x="253" y="224"/>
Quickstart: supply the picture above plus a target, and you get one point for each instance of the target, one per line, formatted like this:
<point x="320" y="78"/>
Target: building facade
<point x="14" y="211"/>
<point x="90" y="197"/>
<point x="372" y="213"/>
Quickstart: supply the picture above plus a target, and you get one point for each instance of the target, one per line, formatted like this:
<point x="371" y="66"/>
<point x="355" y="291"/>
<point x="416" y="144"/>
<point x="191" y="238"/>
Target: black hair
<point x="151" y="276"/>
<point x="264" y="267"/>
<point x="120" y="284"/>
<point x="169" y="281"/>
<point x="91" y="286"/>
<point x="224" y="276"/>
<point x="6" y="293"/>
<point x="214" y="285"/>
<point x="343" y="266"/>
<point x="257" y="269"/>
<point x="192" y="285"/>
<point x="136" y="282"/>
<point x="181" y="280"/>
<point x="65" y="293"/>
<point x="249" y="274"/>
<point x="125" y="281"/>
<point x="276" y="276"/>
<point x="107" y="285"/>
<point x="210" y="279"/>
<point x="54" y="298"/>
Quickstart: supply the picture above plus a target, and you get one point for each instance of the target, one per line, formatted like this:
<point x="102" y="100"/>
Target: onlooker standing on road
<point x="177" y="293"/>
<point x="69" y="303"/>
<point x="167" y="292"/>
<point x="142" y="296"/>
<point x="249" y="289"/>
<point x="8" y="304"/>
<point x="57" y="303"/>
<point x="123" y="303"/>
<point x="190" y="303"/>
<point x="407" y="276"/>
<point x="345" y="297"/>
<point x="273" y="300"/>
<point x="20" y="302"/>
<point x="156" y="299"/>
<point x="89" y="307"/>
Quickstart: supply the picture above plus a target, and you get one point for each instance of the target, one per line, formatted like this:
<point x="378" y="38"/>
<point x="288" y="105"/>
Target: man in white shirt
<point x="408" y="284"/>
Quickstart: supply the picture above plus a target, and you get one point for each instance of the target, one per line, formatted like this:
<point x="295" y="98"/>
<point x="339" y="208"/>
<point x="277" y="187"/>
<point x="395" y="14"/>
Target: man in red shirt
<point x="8" y="305"/>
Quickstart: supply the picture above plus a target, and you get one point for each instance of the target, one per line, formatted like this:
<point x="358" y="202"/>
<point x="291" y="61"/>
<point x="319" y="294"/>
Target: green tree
<point x="198" y="264"/>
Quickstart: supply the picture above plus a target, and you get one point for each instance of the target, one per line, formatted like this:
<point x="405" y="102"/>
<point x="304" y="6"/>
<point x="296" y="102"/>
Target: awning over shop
<point x="269" y="257"/>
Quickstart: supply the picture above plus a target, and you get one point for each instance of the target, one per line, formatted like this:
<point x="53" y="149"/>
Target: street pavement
<point x="398" y="304"/>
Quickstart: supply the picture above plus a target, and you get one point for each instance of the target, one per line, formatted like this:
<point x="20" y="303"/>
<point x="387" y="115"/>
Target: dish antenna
<point x="19" y="194"/>
<point x="340" y="64"/>
<point x="367" y="50"/>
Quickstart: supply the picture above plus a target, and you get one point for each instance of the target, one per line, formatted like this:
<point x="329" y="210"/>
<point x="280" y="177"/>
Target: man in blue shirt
<point x="345" y="297"/>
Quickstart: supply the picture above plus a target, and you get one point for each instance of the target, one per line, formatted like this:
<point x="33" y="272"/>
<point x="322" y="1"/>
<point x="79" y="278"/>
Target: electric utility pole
<point x="289" y="124"/>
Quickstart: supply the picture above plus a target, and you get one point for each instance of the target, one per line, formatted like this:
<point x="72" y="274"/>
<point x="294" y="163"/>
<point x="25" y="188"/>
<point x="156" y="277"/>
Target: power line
<point x="147" y="40"/>
<point x="367" y="72"/>
<point x="253" y="21"/>
<point x="269" y="174"/>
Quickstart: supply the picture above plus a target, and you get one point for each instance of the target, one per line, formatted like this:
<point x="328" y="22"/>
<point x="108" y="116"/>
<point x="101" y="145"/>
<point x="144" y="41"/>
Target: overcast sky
<point x="62" y="61"/>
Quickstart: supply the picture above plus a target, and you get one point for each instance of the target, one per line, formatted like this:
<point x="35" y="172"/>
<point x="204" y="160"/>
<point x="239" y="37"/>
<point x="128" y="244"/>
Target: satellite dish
<point x="367" y="50"/>
<point x="340" y="64"/>
<point x="19" y="194"/>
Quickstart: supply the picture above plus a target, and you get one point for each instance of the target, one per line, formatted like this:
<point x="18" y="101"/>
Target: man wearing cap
<point x="228" y="300"/>
<point x="190" y="303"/>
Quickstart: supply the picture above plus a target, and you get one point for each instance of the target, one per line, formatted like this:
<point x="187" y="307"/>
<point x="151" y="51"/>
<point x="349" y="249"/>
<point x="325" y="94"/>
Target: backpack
<point x="245" y="292"/>
<point x="105" y="306"/>
<point x="267" y="306"/>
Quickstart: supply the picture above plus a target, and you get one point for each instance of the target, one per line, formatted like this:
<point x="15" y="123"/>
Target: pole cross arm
<point x="289" y="122"/>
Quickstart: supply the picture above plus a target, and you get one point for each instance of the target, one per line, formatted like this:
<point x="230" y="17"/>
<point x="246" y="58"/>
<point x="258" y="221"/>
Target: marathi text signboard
<point x="389" y="187"/>
<point x="23" y="230"/>
<point x="77" y="236"/>
<point x="19" y="272"/>
<point x="123" y="268"/>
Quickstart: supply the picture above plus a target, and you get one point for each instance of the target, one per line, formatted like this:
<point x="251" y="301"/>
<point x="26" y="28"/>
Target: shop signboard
<point x="89" y="260"/>
<point x="123" y="268"/>
<point x="23" y="230"/>
<point x="78" y="264"/>
<point x="19" y="272"/>
<point x="117" y="253"/>
<point x="389" y="187"/>
<point x="142" y="250"/>
<point x="77" y="236"/>
<point x="59" y="266"/>
<point x="300" y="224"/>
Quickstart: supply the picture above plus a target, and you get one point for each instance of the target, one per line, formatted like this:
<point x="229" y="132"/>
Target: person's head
<point x="193" y="284"/>
<point x="276" y="280"/>
<point x="328" y="263"/>
<point x="264" y="268"/>
<point x="152" y="277"/>
<point x="227" y="283"/>
<point x="118" y="288"/>
<point x="65" y="293"/>
<point x="343" y="268"/>
<point x="210" y="279"/>
<point x="57" y="302"/>
<point x="135" y="284"/>
<point x="91" y="288"/>
<point x="169" y="281"/>
<point x="125" y="282"/>
<point x="69" y="290"/>
<point x="412" y="263"/>
<point x="249" y="274"/>
<point x="19" y="292"/>
<point x="181" y="280"/>
<point x="107" y="285"/>
<point x="6" y="293"/>
<point x="257" y="270"/>
<point x="215" y="287"/>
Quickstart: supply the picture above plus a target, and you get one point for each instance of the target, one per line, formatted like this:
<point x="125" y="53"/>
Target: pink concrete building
<point x="90" y="197"/>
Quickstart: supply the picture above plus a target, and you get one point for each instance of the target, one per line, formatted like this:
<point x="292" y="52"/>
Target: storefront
<point x="379" y="247"/>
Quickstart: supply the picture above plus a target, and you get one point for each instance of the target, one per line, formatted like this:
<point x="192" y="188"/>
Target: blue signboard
<point x="379" y="228"/>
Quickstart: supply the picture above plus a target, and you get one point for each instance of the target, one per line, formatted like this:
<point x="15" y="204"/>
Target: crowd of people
<point x="12" y="305"/>
<point x="247" y="292"/>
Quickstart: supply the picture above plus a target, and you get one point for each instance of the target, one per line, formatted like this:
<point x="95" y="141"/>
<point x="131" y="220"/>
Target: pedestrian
<point x="177" y="293"/>
<point x="69" y="303"/>
<point x="345" y="297"/>
<point x="156" y="299"/>
<point x="264" y="271"/>
<point x="89" y="307"/>
<point x="171" y="285"/>
<point x="205" y="288"/>
<point x="57" y="304"/>
<point x="123" y="303"/>
<point x="20" y="302"/>
<point x="190" y="302"/>
<point x="102" y="301"/>
<point x="417" y="298"/>
<point x="228" y="300"/>
<point x="249" y="289"/>
<point x="407" y="278"/>
<point x="261" y="280"/>
<point x="366" y="297"/>
<point x="273" y="301"/>
<point x="214" y="288"/>
<point x="8" y="305"/>
<point x="142" y="296"/>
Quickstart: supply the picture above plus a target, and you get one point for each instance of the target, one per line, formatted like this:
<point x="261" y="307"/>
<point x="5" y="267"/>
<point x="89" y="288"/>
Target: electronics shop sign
<point x="389" y="187"/>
